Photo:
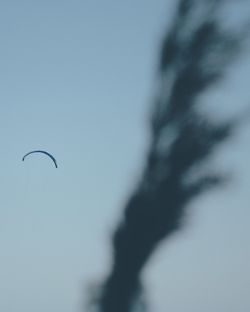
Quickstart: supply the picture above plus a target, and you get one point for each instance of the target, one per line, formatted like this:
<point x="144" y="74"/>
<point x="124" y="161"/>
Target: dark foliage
<point x="192" y="60"/>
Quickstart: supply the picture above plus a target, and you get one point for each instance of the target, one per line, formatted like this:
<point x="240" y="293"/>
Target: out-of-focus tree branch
<point x="193" y="58"/>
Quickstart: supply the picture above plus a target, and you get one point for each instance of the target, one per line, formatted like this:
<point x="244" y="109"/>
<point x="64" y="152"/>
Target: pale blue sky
<point x="77" y="79"/>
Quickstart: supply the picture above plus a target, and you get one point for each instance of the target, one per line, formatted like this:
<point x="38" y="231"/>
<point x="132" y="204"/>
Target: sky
<point x="77" y="79"/>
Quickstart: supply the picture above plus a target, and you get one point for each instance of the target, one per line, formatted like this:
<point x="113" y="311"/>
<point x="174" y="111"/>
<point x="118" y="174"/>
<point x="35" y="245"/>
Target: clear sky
<point x="77" y="79"/>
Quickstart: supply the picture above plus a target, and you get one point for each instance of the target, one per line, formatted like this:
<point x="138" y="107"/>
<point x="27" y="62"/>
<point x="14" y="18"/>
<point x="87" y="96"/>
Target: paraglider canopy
<point x="43" y="152"/>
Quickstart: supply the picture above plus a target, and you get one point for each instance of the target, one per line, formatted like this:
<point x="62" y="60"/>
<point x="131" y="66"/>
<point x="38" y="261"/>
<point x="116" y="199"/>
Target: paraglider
<point x="43" y="152"/>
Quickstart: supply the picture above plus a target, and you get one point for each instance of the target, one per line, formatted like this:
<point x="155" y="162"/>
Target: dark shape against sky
<point x="193" y="59"/>
<point x="43" y="152"/>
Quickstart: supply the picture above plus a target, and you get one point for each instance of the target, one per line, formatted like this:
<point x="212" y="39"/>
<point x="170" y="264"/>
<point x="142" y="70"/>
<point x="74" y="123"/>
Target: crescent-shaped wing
<point x="43" y="152"/>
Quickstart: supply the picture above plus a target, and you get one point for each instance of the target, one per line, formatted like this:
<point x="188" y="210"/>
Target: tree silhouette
<point x="194" y="57"/>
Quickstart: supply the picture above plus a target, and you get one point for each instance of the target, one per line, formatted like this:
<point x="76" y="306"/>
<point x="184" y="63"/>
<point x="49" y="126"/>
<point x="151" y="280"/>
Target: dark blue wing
<point x="43" y="152"/>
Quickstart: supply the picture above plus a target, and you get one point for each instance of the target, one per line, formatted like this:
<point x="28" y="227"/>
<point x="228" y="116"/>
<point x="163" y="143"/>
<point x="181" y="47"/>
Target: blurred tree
<point x="194" y="56"/>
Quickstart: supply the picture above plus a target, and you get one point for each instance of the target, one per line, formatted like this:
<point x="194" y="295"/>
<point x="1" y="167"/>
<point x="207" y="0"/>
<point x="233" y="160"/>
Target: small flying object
<point x="43" y="152"/>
